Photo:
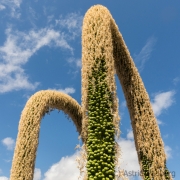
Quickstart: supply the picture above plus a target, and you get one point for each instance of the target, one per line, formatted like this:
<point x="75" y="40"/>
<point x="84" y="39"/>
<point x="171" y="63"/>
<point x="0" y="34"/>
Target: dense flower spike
<point x="99" y="101"/>
<point x="100" y="143"/>
<point x="27" y="141"/>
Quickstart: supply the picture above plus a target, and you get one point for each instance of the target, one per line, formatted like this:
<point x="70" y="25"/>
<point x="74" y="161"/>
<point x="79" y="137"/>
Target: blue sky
<point x="40" y="48"/>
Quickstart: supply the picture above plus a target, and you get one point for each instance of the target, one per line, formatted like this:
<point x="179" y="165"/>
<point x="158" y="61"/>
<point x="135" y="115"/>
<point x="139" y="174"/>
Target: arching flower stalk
<point x="28" y="132"/>
<point x="104" y="52"/>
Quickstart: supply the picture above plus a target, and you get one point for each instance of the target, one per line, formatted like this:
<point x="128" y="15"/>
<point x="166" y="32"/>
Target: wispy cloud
<point x="168" y="152"/>
<point x="2" y="7"/>
<point x="162" y="101"/>
<point x="75" y="64"/>
<point x="68" y="90"/>
<point x="130" y="135"/>
<point x="9" y="143"/>
<point x="72" y="22"/>
<point x="13" y="5"/>
<point x="32" y="13"/>
<point x="3" y="178"/>
<point x="176" y="80"/>
<point x="75" y="61"/>
<point x="37" y="174"/>
<point x="20" y="46"/>
<point x="123" y="104"/>
<point x="159" y="121"/>
<point x="17" y="50"/>
<point x="50" y="18"/>
<point x="144" y="55"/>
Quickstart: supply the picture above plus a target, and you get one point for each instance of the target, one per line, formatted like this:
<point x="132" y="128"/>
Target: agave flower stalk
<point x="99" y="100"/>
<point x="28" y="133"/>
<point x="101" y="40"/>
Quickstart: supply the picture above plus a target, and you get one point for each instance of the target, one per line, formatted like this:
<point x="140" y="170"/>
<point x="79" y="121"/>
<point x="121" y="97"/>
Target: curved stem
<point x="28" y="132"/>
<point x="102" y="39"/>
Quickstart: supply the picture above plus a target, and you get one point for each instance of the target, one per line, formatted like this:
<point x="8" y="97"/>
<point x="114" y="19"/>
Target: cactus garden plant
<point x="104" y="54"/>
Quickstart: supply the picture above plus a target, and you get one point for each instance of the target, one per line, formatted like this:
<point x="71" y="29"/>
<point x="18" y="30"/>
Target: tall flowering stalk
<point x="99" y="101"/>
<point x="104" y="53"/>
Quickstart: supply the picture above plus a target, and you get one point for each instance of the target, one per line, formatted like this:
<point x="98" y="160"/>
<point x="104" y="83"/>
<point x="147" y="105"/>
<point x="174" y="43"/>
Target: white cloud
<point x="75" y="61"/>
<point x="168" y="151"/>
<point x="162" y="101"/>
<point x="9" y="143"/>
<point x="13" y="5"/>
<point x="7" y="160"/>
<point x="130" y="135"/>
<point x="129" y="155"/>
<point x="20" y="46"/>
<point x="68" y="90"/>
<point x="145" y="53"/>
<point x="17" y="50"/>
<point x="32" y="13"/>
<point x="3" y="178"/>
<point x="159" y="121"/>
<point x="66" y="168"/>
<point x="73" y="22"/>
<point x="123" y="104"/>
<point x="166" y="136"/>
<point x="37" y="174"/>
<point x="129" y="159"/>
<point x="50" y="18"/>
<point x="2" y="7"/>
<point x="78" y="63"/>
<point x="176" y="80"/>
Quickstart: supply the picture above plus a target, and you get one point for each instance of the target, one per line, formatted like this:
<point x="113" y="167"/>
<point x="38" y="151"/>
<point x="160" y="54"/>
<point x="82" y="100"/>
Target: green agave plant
<point x="104" y="53"/>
